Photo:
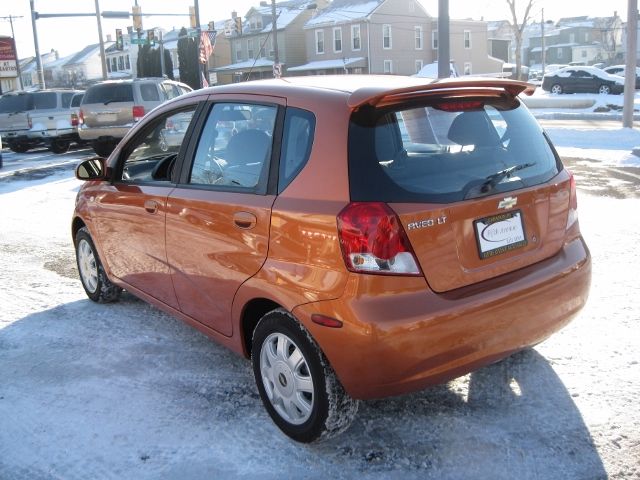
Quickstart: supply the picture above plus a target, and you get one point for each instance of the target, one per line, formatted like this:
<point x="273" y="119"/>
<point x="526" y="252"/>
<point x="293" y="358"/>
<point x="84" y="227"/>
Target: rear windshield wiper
<point x="496" y="178"/>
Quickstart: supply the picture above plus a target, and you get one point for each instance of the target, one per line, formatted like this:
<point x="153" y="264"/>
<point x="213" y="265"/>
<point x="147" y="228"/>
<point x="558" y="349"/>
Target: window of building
<point x="108" y="66"/>
<point x="388" y="66"/>
<point x="319" y="41"/>
<point x="559" y="52"/>
<point x="418" y="31"/>
<point x="386" y="37"/>
<point x="572" y="38"/>
<point x="467" y="68"/>
<point x="584" y="54"/>
<point x="127" y="62"/>
<point x="467" y="39"/>
<point x="238" y="55"/>
<point x="337" y="39"/>
<point x="250" y="51"/>
<point x="419" y="65"/>
<point x="355" y="37"/>
<point x="114" y="64"/>
<point x="412" y="6"/>
<point x="434" y="39"/>
<point x="120" y="63"/>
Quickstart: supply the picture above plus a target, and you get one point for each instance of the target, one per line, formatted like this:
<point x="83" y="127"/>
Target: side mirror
<point x="92" y="169"/>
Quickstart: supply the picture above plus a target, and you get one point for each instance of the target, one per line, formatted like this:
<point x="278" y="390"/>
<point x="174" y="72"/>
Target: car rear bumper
<point x="413" y="338"/>
<point x="66" y="133"/>
<point x="95" y="133"/>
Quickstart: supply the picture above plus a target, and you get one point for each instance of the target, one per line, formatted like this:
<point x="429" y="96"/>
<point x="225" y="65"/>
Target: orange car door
<point x="130" y="212"/>
<point x="218" y="218"/>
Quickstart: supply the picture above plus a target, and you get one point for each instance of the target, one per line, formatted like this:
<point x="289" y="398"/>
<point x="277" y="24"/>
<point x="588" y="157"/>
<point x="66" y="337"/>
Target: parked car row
<point x="584" y="79"/>
<point x="102" y="115"/>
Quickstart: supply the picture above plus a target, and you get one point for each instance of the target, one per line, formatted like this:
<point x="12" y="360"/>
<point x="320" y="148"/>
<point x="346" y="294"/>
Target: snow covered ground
<point x="125" y="391"/>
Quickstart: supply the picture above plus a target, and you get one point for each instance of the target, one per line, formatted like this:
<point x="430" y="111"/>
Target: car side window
<point x="150" y="157"/>
<point x="235" y="146"/>
<point x="149" y="92"/>
<point x="66" y="99"/>
<point x="297" y="140"/>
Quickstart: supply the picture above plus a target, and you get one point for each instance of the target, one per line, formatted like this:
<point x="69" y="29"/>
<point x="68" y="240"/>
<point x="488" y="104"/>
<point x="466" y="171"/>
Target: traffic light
<point x="192" y="17"/>
<point x="151" y="37"/>
<point x="238" y="22"/>
<point x="119" y="41"/>
<point x="136" y="11"/>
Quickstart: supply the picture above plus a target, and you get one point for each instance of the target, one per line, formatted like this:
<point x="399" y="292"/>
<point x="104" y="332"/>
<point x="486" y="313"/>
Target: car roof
<point x="366" y="89"/>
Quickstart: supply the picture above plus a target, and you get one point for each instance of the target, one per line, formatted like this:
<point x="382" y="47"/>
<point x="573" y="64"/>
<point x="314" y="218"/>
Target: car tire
<point x="60" y="146"/>
<point x="556" y="89"/>
<point x="19" y="147"/>
<point x="604" y="90"/>
<point x="298" y="387"/>
<point x="103" y="148"/>
<point x="92" y="275"/>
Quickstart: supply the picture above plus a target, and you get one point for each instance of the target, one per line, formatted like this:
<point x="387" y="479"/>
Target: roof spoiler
<point x="375" y="98"/>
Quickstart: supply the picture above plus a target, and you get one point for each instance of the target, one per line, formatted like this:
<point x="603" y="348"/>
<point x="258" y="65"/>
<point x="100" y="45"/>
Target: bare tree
<point x="518" y="28"/>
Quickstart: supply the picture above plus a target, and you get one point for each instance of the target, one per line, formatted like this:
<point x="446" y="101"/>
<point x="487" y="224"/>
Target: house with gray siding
<point x="252" y="45"/>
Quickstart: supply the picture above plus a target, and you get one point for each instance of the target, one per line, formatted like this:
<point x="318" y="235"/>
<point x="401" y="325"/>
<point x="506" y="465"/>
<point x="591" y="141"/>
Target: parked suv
<point x="109" y="109"/>
<point x="356" y="236"/>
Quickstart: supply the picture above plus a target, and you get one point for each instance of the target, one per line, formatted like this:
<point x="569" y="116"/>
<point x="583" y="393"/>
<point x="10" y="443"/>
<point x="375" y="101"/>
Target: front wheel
<point x="604" y="90"/>
<point x="92" y="275"/>
<point x="556" y="89"/>
<point x="297" y="385"/>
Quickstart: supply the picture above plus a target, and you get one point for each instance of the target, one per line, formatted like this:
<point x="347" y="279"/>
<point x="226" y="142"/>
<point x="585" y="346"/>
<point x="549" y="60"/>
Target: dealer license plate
<point x="499" y="234"/>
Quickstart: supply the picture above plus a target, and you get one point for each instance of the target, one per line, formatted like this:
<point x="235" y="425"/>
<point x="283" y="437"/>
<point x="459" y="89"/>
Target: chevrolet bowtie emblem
<point x="508" y="202"/>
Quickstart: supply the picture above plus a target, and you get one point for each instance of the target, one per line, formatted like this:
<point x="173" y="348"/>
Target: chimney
<point x="234" y="14"/>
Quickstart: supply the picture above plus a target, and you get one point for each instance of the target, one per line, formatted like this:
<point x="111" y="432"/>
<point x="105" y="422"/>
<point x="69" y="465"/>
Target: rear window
<point x="45" y="100"/>
<point x="66" y="99"/>
<point x="447" y="151"/>
<point x="75" y="101"/>
<point x="16" y="103"/>
<point x="109" y="93"/>
<point x="149" y="92"/>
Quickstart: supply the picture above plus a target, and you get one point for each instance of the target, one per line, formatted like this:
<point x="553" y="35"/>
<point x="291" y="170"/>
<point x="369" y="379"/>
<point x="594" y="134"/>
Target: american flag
<point x="207" y="42"/>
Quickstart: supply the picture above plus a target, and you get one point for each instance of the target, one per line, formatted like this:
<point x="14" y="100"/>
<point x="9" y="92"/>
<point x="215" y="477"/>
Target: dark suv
<point x="109" y="109"/>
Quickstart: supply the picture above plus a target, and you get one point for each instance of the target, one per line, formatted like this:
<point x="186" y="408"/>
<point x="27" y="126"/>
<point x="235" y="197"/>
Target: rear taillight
<point x="138" y="112"/>
<point x="74" y="120"/>
<point x="572" y="217"/>
<point x="81" y="116"/>
<point x="373" y="240"/>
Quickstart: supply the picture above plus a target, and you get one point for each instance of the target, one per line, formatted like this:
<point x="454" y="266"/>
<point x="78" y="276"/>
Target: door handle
<point x="151" y="206"/>
<point x="245" y="220"/>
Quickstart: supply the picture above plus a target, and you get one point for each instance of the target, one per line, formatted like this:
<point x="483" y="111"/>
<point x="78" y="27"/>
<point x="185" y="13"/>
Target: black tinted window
<point x="299" y="126"/>
<point x="44" y="100"/>
<point x="16" y="103"/>
<point x="446" y="152"/>
<point x="108" y="93"/>
<point x="149" y="92"/>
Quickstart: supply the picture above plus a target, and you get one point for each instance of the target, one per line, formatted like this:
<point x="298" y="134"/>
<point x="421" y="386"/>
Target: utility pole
<point x="630" y="67"/>
<point x="196" y="7"/>
<point x="37" y="48"/>
<point x="103" y="57"/>
<point x="542" y="42"/>
<point x="274" y="34"/>
<point x="444" y="67"/>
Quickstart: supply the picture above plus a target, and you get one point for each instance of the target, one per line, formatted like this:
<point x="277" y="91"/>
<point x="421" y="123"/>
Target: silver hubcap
<point x="87" y="265"/>
<point x="286" y="378"/>
<point x="556" y="89"/>
<point x="604" y="90"/>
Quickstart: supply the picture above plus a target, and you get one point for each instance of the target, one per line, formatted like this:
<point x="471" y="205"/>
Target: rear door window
<point x="299" y="127"/>
<point x="149" y="92"/>
<point x="447" y="151"/>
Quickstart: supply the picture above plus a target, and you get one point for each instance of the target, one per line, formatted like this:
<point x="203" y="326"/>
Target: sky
<point x="69" y="35"/>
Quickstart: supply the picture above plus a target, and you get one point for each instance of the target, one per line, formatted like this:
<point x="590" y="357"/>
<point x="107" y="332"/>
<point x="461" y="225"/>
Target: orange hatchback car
<point x="355" y="236"/>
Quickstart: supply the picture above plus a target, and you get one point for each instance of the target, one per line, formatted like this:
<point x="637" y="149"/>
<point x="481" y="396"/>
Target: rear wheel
<point x="556" y="89"/>
<point x="19" y="147"/>
<point x="92" y="274"/>
<point x="604" y="90"/>
<point x="103" y="148"/>
<point x="297" y="385"/>
<point x="59" y="146"/>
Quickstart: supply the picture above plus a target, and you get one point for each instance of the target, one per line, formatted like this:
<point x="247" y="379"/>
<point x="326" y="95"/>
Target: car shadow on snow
<point x="125" y="388"/>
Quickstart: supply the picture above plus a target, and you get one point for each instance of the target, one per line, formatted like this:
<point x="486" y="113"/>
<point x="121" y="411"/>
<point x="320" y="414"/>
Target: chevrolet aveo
<point x="356" y="237"/>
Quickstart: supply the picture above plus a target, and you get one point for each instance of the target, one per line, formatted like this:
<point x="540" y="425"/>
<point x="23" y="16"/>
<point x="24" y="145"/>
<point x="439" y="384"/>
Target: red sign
<point x="7" y="49"/>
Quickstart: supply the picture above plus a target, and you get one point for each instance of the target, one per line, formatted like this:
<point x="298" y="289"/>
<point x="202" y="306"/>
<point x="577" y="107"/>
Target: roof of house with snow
<point x="286" y="12"/>
<point x="344" y="11"/>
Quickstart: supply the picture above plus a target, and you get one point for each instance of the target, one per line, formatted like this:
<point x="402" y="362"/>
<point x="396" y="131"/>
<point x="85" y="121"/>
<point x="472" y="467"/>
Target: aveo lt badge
<point x="508" y="202"/>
